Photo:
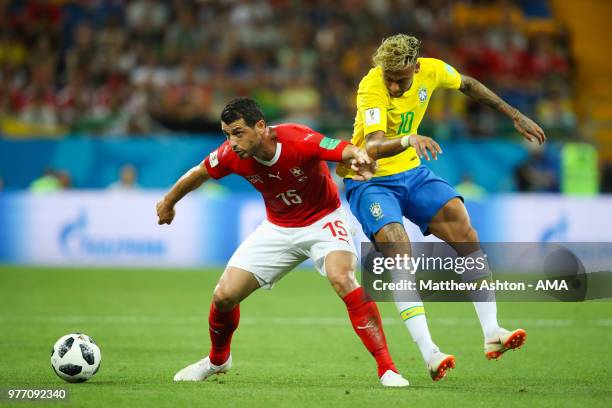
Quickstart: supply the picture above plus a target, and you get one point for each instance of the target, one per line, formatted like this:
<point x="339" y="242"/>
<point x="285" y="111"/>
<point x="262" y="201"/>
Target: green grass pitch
<point x="294" y="347"/>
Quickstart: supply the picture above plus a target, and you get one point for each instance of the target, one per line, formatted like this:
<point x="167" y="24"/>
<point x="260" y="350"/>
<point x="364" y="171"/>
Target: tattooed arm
<point x="378" y="147"/>
<point x="525" y="126"/>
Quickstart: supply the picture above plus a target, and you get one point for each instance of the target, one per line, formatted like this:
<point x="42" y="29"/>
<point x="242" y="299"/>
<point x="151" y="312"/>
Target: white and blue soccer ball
<point x="75" y="357"/>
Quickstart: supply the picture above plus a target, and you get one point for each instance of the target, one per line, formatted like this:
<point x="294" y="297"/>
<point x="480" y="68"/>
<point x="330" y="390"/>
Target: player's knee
<point x="458" y="232"/>
<point x="342" y="278"/>
<point x="223" y="299"/>
<point x="467" y="233"/>
<point x="393" y="232"/>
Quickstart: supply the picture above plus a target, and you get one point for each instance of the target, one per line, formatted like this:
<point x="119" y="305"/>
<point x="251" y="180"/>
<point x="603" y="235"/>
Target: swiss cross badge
<point x="255" y="178"/>
<point x="299" y="174"/>
<point x="296" y="171"/>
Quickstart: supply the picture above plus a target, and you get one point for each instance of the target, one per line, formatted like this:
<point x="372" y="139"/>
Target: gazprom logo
<point x="556" y="232"/>
<point x="75" y="240"/>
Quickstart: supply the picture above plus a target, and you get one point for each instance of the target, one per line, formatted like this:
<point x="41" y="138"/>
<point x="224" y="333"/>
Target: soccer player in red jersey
<point x="285" y="163"/>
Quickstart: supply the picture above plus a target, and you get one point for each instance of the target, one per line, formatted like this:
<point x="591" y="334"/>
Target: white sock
<point x="486" y="311"/>
<point x="413" y="316"/>
<point x="487" y="314"/>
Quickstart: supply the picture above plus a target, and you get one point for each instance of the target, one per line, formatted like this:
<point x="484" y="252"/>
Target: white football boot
<point x="202" y="370"/>
<point x="439" y="364"/>
<point x="392" y="379"/>
<point x="502" y="341"/>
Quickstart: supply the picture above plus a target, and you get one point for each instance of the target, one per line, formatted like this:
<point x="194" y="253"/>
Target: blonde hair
<point x="397" y="52"/>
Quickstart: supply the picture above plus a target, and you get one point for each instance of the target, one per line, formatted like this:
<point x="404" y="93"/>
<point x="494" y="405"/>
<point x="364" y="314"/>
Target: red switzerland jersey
<point x="296" y="185"/>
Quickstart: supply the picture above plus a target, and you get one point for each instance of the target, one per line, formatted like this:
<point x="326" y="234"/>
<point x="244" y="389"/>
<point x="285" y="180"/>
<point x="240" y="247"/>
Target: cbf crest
<point x="422" y="95"/>
<point x="376" y="211"/>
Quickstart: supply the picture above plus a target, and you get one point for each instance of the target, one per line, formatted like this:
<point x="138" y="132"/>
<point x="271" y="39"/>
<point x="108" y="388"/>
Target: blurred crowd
<point x="142" y="66"/>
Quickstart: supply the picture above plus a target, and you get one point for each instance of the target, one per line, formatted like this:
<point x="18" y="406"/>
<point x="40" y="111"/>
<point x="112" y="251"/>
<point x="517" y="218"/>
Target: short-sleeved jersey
<point x="295" y="184"/>
<point x="397" y="117"/>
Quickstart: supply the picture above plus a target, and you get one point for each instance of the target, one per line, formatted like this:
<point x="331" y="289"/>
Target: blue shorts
<point x="417" y="194"/>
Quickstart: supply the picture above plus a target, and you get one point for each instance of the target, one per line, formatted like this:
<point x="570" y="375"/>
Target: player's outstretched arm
<point x="359" y="161"/>
<point x="191" y="180"/>
<point x="525" y="126"/>
<point x="378" y="146"/>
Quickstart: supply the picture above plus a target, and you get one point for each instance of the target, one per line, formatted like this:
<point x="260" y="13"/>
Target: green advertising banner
<point x="579" y="169"/>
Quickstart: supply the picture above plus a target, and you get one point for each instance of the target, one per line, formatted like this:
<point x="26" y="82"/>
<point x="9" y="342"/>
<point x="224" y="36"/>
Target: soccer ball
<point x="75" y="357"/>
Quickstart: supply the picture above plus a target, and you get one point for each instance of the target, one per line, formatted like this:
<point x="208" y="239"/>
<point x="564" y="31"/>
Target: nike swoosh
<point x="367" y="326"/>
<point x="390" y="109"/>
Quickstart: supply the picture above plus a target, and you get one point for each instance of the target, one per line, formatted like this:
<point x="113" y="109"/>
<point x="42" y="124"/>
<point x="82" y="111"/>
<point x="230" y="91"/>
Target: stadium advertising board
<point x="102" y="228"/>
<point x="95" y="229"/>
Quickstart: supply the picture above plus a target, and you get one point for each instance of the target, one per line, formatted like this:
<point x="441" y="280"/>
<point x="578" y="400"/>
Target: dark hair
<point x="242" y="108"/>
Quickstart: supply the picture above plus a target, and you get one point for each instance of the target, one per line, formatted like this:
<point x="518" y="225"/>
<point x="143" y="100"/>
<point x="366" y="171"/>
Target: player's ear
<point x="417" y="67"/>
<point x="260" y="126"/>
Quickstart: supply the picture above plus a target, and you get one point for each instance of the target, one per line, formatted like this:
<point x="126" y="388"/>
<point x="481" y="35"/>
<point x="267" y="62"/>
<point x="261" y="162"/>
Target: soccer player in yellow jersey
<point x="391" y="101"/>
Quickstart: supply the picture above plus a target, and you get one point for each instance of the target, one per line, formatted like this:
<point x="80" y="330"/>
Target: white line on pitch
<point x="283" y="321"/>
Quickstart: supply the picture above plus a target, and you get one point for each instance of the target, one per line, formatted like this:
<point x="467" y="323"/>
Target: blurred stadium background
<point x="105" y="103"/>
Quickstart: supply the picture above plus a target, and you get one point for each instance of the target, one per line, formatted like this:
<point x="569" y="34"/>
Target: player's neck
<point x="267" y="148"/>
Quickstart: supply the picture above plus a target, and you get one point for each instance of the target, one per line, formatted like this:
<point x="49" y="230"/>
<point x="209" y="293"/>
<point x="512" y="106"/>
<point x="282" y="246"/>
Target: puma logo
<point x="277" y="176"/>
<point x="370" y="325"/>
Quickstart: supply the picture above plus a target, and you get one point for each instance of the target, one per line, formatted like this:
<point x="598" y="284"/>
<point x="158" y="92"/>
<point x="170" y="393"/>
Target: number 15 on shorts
<point x="337" y="230"/>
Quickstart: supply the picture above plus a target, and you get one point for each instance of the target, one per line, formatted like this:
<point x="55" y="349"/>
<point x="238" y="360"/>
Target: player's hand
<point x="528" y="128"/>
<point x="165" y="212"/>
<point x="423" y="144"/>
<point x="363" y="165"/>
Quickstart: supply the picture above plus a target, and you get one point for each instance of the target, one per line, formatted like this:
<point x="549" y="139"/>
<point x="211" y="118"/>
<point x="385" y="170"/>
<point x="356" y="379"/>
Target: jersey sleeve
<point x="217" y="162"/>
<point x="446" y="75"/>
<point x="372" y="105"/>
<point x="320" y="147"/>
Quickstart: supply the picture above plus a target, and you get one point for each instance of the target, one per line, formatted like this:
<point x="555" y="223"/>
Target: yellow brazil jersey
<point x="397" y="117"/>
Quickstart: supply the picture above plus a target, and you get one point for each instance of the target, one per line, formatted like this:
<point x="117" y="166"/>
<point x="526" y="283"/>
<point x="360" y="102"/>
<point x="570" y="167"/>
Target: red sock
<point x="365" y="318"/>
<point x="221" y="326"/>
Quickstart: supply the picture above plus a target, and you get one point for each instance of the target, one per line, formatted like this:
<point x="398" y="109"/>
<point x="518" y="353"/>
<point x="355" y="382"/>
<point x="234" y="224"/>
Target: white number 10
<point x="290" y="197"/>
